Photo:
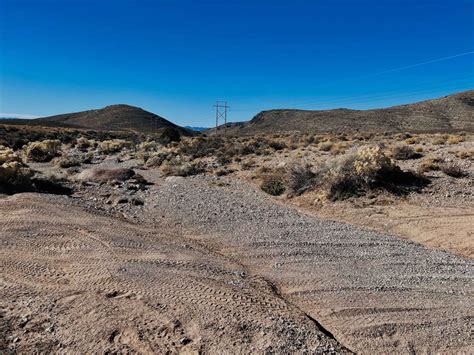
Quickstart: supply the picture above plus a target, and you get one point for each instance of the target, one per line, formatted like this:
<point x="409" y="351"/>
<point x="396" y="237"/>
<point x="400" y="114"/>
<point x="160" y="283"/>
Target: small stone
<point x="137" y="202"/>
<point x="185" y="341"/>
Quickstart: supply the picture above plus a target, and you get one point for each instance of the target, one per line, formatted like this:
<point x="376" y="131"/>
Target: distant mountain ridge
<point x="198" y="129"/>
<point x="450" y="113"/>
<point x="114" y="118"/>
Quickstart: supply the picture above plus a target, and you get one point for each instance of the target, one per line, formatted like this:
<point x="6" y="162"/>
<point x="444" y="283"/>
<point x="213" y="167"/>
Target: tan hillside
<point x="113" y="118"/>
<point x="450" y="113"/>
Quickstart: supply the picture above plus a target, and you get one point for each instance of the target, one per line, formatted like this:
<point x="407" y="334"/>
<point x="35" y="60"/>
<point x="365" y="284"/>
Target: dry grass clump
<point x="277" y="145"/>
<point x="302" y="178"/>
<point x="455" y="139"/>
<point x="354" y="174"/>
<point x="404" y="152"/>
<point x="200" y="147"/>
<point x="248" y="164"/>
<point x="429" y="164"/>
<point x="452" y="169"/>
<point x="71" y="160"/>
<point x="83" y="143"/>
<point x="114" y="146"/>
<point x="43" y="151"/>
<point x="439" y="140"/>
<point x="338" y="148"/>
<point x="156" y="159"/>
<point x="8" y="155"/>
<point x="223" y="171"/>
<point x="465" y="154"/>
<point x="18" y="177"/>
<point x="176" y="166"/>
<point x="412" y="140"/>
<point x="146" y="150"/>
<point x="15" y="176"/>
<point x="148" y="146"/>
<point x="169" y="135"/>
<point x="273" y="184"/>
<point x="325" y="146"/>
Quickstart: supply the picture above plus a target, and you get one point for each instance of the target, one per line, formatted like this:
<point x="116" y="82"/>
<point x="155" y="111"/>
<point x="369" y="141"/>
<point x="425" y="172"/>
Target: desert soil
<point x="214" y="265"/>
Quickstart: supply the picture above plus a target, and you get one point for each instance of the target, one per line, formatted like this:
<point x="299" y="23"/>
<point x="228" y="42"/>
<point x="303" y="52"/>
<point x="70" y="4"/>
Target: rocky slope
<point x="113" y="118"/>
<point x="450" y="113"/>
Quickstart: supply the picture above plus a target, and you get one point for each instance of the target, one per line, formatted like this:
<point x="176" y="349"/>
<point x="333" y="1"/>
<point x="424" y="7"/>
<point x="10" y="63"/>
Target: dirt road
<point x="78" y="282"/>
<point x="214" y="265"/>
<point x="376" y="293"/>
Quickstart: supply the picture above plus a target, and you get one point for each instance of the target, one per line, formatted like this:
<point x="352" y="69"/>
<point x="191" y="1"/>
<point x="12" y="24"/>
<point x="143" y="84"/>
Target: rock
<point x="106" y="175"/>
<point x="185" y="341"/>
<point x="121" y="200"/>
<point x="137" y="202"/>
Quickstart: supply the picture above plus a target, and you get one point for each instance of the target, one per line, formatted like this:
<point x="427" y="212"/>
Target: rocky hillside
<point x="450" y="113"/>
<point x="113" y="118"/>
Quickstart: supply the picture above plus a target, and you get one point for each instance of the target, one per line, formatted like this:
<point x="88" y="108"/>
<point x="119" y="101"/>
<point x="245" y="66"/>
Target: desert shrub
<point x="84" y="143"/>
<point x="310" y="140"/>
<point x="148" y="146"/>
<point x="465" y="154"/>
<point x="277" y="145"/>
<point x="223" y="171"/>
<point x="114" y="146"/>
<point x="439" y="140"/>
<point x="302" y="178"/>
<point x="200" y="147"/>
<point x="325" y="146"/>
<point x="367" y="169"/>
<point x="8" y="155"/>
<point x="404" y="152"/>
<point x="15" y="175"/>
<point x="247" y="149"/>
<point x="273" y="184"/>
<point x="18" y="177"/>
<point x="223" y="158"/>
<point x="452" y="169"/>
<point x="419" y="149"/>
<point x="412" y="140"/>
<point x="338" y="148"/>
<point x="42" y="151"/>
<point x="176" y="166"/>
<point x="248" y="164"/>
<point x="169" y="135"/>
<point x="455" y="139"/>
<point x="429" y="164"/>
<point x="158" y="158"/>
<point x="70" y="160"/>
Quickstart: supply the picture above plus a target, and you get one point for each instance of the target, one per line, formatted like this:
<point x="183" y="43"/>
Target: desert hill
<point x="449" y="113"/>
<point x="113" y="118"/>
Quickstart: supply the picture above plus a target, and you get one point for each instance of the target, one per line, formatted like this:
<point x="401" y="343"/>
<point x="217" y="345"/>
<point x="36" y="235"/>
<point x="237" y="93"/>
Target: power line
<point x="427" y="87"/>
<point x="421" y="63"/>
<point x="342" y="80"/>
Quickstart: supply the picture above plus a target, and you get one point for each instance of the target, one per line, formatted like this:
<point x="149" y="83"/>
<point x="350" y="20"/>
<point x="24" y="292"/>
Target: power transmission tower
<point x="221" y="112"/>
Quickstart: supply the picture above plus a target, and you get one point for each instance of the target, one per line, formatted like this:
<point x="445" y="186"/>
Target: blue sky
<point x="175" y="58"/>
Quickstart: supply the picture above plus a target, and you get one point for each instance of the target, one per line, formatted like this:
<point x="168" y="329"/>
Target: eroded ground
<point x="212" y="264"/>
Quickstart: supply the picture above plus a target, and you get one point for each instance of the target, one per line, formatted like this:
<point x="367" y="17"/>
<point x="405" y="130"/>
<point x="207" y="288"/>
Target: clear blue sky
<point x="175" y="58"/>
